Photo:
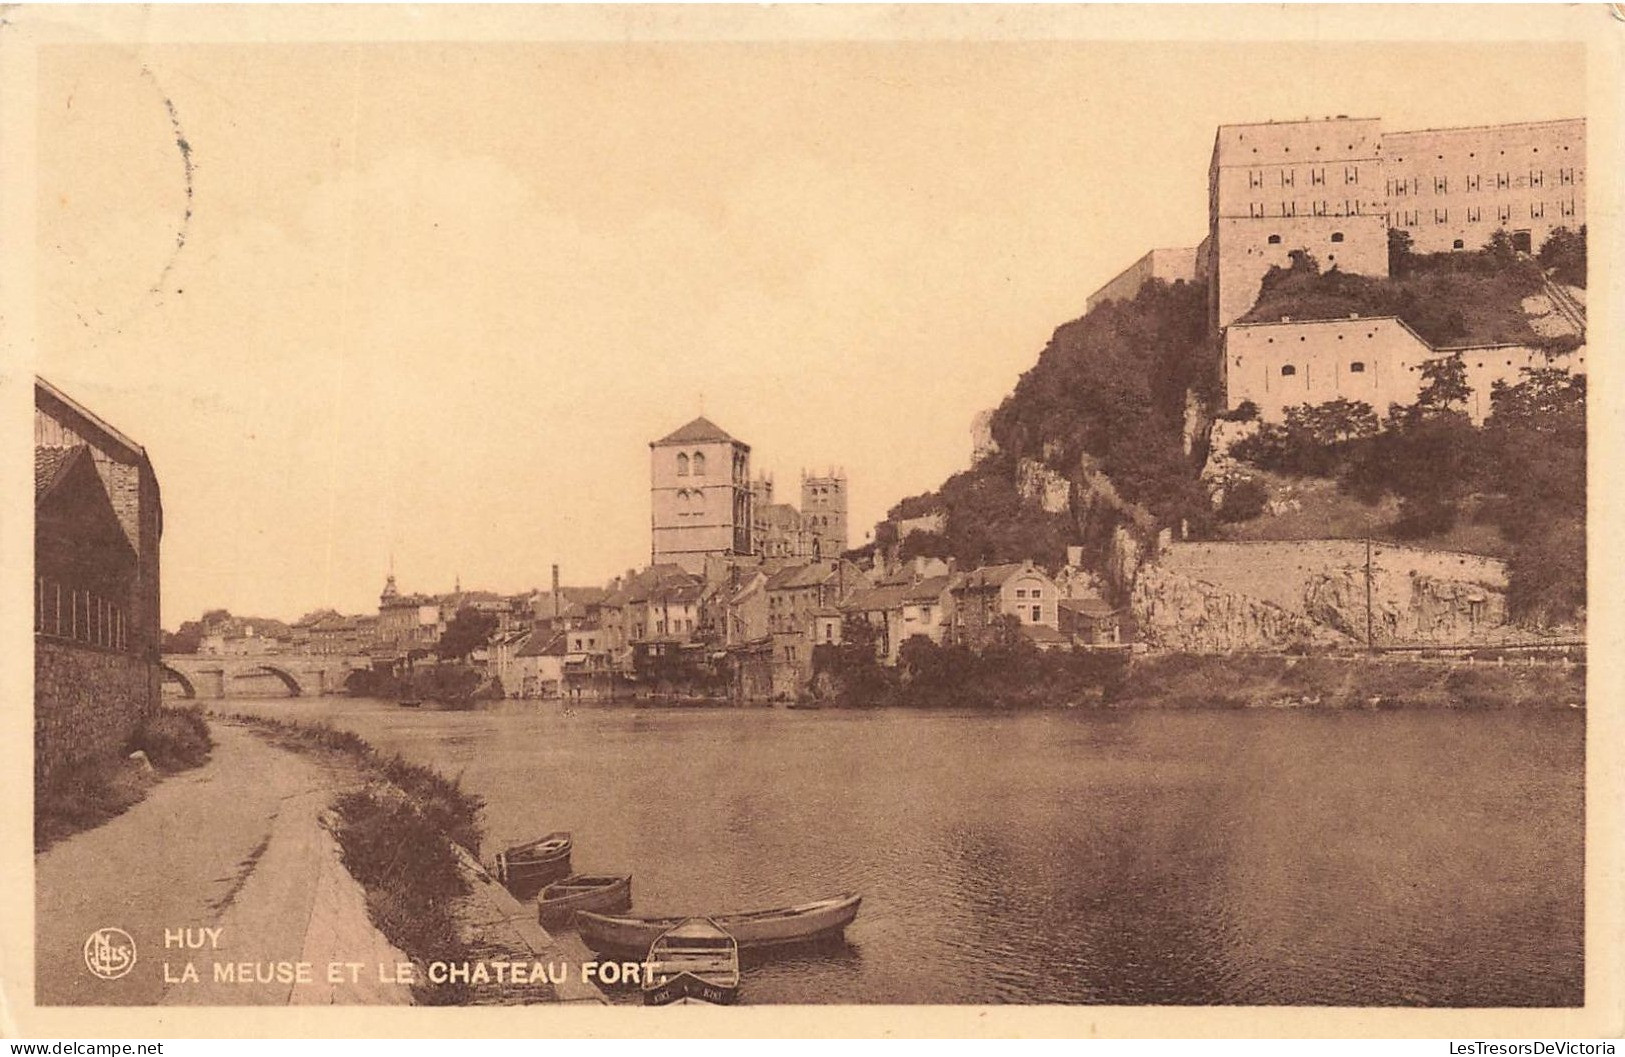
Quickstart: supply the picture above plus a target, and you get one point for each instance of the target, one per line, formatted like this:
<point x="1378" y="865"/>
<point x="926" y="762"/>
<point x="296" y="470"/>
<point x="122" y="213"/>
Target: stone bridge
<point x="304" y="674"/>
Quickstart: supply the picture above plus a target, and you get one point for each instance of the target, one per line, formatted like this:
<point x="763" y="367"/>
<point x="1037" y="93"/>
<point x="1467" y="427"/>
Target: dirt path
<point x="237" y="846"/>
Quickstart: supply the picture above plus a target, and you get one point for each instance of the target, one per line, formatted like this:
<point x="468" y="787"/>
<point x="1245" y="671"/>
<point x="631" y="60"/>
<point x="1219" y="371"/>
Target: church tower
<point x="700" y="496"/>
<point x="823" y="512"/>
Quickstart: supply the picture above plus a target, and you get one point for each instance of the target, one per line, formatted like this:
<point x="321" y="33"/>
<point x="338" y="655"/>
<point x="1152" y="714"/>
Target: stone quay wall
<point x="88" y="702"/>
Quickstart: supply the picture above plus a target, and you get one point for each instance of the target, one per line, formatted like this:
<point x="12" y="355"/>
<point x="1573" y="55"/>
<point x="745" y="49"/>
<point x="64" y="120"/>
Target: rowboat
<point x="695" y="960"/>
<point x="759" y="928"/>
<point x="411" y="702"/>
<point x="530" y="865"/>
<point x="560" y="900"/>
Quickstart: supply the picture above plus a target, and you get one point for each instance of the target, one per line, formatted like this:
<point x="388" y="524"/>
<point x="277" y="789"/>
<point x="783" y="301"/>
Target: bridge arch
<point x="188" y="691"/>
<point x="295" y="688"/>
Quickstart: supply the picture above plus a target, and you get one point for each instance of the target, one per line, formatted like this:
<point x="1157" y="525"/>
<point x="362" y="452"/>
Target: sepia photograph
<point x="624" y="507"/>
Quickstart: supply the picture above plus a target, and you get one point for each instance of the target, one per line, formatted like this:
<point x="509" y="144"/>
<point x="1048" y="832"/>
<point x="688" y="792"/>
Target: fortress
<point x="1334" y="187"/>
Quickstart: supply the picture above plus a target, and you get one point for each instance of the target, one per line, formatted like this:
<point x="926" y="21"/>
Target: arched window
<point x="682" y="465"/>
<point x="1458" y="245"/>
<point x="1275" y="240"/>
<point x="1356" y="367"/>
<point x="1337" y="236"/>
<point x="699" y="464"/>
<point x="1287" y="370"/>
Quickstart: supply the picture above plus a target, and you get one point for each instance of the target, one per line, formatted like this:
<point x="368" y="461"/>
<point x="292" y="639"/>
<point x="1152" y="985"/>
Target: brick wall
<point x="87" y="701"/>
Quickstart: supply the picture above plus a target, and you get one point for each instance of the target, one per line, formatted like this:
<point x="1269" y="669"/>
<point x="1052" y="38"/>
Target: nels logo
<point x="110" y="953"/>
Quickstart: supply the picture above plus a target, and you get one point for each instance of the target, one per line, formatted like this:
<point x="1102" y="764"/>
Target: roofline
<point x="1499" y="124"/>
<point x="89" y="416"/>
<point x="1295" y="121"/>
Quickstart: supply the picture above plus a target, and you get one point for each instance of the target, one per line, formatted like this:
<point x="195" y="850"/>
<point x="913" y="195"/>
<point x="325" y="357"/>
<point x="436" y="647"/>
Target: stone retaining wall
<point x="87" y="701"/>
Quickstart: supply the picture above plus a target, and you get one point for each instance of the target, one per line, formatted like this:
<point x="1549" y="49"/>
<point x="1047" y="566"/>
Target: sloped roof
<point x="892" y="596"/>
<point x="49" y="464"/>
<point x="539" y="645"/>
<point x="927" y="590"/>
<point x="994" y="576"/>
<point x="700" y="431"/>
<point x="1089" y="607"/>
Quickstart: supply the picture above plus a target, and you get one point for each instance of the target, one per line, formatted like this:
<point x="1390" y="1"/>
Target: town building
<point x="98" y="521"/>
<point x="1091" y="622"/>
<point x="984" y="596"/>
<point x="700" y="494"/>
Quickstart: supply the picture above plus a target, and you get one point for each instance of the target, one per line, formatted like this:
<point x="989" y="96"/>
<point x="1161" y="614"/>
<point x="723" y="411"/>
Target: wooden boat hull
<point x="686" y="988"/>
<point x="769" y="928"/>
<point x="527" y="867"/>
<point x="557" y="909"/>
<point x="411" y="704"/>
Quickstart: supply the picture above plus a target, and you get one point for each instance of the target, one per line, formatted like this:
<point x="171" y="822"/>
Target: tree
<point x="1444" y="385"/>
<point x="1500" y="247"/>
<point x="1564" y="255"/>
<point x="468" y="631"/>
<point x="1401" y="259"/>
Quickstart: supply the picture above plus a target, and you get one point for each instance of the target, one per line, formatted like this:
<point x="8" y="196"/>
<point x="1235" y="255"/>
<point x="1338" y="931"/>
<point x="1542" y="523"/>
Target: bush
<point x="84" y="795"/>
<point x="175" y="739"/>
<point x="397" y="849"/>
<point x="1243" y="501"/>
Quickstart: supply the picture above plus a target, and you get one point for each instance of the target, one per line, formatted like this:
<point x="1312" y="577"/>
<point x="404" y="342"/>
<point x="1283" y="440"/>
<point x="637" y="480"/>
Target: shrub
<point x="82" y="796"/>
<point x="1243" y="500"/>
<point x="175" y="738"/>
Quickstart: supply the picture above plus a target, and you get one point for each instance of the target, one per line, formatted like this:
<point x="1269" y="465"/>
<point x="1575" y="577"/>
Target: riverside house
<point x="982" y="596"/>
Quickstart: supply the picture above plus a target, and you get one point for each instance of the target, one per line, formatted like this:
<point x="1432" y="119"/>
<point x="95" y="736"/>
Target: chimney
<point x="555" y="590"/>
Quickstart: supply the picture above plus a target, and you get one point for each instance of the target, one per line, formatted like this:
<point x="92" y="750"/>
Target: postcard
<point x="1004" y="520"/>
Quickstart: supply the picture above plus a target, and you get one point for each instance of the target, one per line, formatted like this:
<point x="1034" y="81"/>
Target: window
<point x="1357" y="367"/>
<point x="1255" y="178"/>
<point x="1473" y="215"/>
<point x="1567" y="208"/>
<point x="1503" y="180"/>
<point x="1287" y="370"/>
<point x="1289" y="209"/>
<point x="1441" y="185"/>
<point x="699" y="464"/>
<point x="1337" y="236"/>
<point x="1458" y="245"/>
<point x="1275" y="240"/>
<point x="1021" y="592"/>
<point x="1317" y="176"/>
<point x="1537" y="210"/>
<point x="682" y="465"/>
<point x="1255" y="209"/>
<point x="1289" y="177"/>
<point x="1565" y="176"/>
<point x="1441" y="216"/>
<point x="1038" y="614"/>
<point x="1472" y="182"/>
<point x="1351" y="174"/>
<point x="1537" y="177"/>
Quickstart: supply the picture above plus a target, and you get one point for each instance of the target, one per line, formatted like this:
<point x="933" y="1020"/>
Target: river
<point x="1148" y="857"/>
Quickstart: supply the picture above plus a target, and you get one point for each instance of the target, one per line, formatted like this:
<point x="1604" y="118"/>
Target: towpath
<point x="235" y="846"/>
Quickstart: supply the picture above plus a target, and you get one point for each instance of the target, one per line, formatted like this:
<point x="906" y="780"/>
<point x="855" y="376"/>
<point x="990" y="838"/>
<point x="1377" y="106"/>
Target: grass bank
<point x="396" y="832"/>
<point x="1270" y="681"/>
<point x="86" y="794"/>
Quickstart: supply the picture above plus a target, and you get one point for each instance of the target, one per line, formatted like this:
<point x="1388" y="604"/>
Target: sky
<point x="428" y="303"/>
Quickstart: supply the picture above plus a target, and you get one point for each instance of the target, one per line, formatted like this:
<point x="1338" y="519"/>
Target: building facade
<point x="97" y="525"/>
<point x="823" y="513"/>
<point x="700" y="495"/>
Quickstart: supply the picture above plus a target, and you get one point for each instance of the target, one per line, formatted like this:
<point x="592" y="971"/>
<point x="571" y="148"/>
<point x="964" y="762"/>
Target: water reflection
<point x="1413" y="858"/>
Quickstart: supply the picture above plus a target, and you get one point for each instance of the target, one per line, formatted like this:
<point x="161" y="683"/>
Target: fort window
<point x="699" y="464"/>
<point x="682" y="465"/>
<point x="1337" y="236"/>
<point x="1287" y="370"/>
<point x="1458" y="245"/>
<point x="1275" y="240"/>
<point x="1356" y="367"/>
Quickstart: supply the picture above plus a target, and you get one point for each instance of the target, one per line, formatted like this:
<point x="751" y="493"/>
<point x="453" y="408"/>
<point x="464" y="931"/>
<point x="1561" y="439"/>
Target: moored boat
<point x="695" y="960"/>
<point x="528" y="866"/>
<point x="801" y="923"/>
<point x="411" y="702"/>
<point x="561" y="900"/>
